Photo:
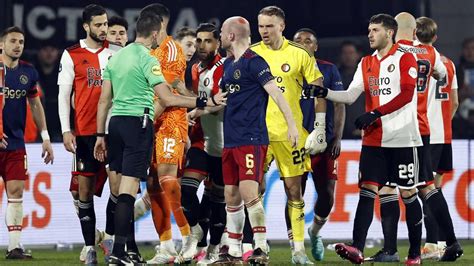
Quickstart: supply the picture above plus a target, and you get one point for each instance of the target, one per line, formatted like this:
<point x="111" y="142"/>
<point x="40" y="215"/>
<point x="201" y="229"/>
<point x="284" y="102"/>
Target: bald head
<point x="238" y="26"/>
<point x="406" y="26"/>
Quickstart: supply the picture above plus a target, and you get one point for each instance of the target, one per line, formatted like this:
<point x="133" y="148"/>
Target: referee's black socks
<point x="123" y="220"/>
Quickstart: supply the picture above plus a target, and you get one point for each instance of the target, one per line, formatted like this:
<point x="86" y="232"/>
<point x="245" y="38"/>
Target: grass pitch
<point x="279" y="255"/>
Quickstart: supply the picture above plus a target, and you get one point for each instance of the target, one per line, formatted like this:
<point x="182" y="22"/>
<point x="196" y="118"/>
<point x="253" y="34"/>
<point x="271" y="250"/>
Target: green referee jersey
<point x="133" y="73"/>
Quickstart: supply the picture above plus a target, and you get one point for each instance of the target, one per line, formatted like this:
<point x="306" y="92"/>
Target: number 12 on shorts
<point x="168" y="145"/>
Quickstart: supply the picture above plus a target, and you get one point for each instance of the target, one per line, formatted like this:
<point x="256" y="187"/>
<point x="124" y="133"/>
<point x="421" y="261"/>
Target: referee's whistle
<point x="146" y="115"/>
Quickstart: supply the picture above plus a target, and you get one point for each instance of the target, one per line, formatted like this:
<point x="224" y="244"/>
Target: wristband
<point x="320" y="119"/>
<point x="100" y="134"/>
<point x="44" y="135"/>
<point x="201" y="102"/>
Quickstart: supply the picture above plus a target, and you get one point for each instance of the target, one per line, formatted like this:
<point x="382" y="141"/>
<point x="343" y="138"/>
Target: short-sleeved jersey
<point x="439" y="104"/>
<point x="428" y="60"/>
<point x="245" y="112"/>
<point x="332" y="80"/>
<point x="20" y="82"/>
<point x="173" y="65"/>
<point x="82" y="68"/>
<point x="133" y="73"/>
<point x="205" y="82"/>
<point x="291" y="64"/>
<point x="382" y="79"/>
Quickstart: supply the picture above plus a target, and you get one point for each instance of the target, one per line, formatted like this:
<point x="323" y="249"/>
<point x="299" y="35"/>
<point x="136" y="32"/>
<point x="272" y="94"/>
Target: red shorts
<point x="100" y="180"/>
<point x="13" y="165"/>
<point x="324" y="167"/>
<point x="243" y="163"/>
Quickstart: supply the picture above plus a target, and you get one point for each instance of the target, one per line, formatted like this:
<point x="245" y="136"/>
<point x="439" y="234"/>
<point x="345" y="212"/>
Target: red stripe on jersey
<point x="371" y="70"/>
<point x="447" y="105"/>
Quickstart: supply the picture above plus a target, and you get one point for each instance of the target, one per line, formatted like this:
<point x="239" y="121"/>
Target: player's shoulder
<point x="27" y="66"/>
<point x="74" y="47"/>
<point x="298" y="48"/>
<point x="325" y="63"/>
<point x="255" y="46"/>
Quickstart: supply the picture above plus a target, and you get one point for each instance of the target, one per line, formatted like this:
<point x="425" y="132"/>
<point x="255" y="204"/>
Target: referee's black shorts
<point x="130" y="146"/>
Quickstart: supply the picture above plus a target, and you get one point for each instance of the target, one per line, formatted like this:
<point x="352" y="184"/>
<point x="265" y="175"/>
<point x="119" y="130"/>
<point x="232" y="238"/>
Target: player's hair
<point x="183" y="32"/>
<point x="116" y="20"/>
<point x="90" y="11"/>
<point x="208" y="27"/>
<point x="147" y="23"/>
<point x="387" y="21"/>
<point x="272" y="11"/>
<point x="10" y="30"/>
<point x="308" y="30"/>
<point x="157" y="9"/>
<point x="426" y="29"/>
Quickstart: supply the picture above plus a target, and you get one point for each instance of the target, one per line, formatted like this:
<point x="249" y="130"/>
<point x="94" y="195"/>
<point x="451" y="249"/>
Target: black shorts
<point x="85" y="164"/>
<point x="200" y="162"/>
<point x="424" y="154"/>
<point x="130" y="146"/>
<point x="441" y="158"/>
<point x="382" y="166"/>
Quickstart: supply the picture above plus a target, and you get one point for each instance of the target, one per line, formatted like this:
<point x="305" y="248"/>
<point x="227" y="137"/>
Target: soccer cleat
<point x="350" y="253"/>
<point x="227" y="259"/>
<point x="189" y="247"/>
<point x="99" y="236"/>
<point x="162" y="257"/>
<point x="413" y="261"/>
<point x="384" y="256"/>
<point x="200" y="253"/>
<point x="136" y="258"/>
<point x="91" y="257"/>
<point x="18" y="254"/>
<point x="247" y="255"/>
<point x="259" y="257"/>
<point x="317" y="246"/>
<point x="122" y="261"/>
<point x="430" y="253"/>
<point x="299" y="257"/>
<point x="452" y="253"/>
<point x="107" y="246"/>
<point x="82" y="256"/>
<point x="209" y="259"/>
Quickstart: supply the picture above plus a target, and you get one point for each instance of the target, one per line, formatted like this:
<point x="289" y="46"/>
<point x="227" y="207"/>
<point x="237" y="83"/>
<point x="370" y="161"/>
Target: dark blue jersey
<point x="20" y="83"/>
<point x="332" y="80"/>
<point x="244" y="115"/>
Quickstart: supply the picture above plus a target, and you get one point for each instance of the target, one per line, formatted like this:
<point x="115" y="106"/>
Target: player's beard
<point x="95" y="37"/>
<point x="208" y="57"/>
<point x="154" y="43"/>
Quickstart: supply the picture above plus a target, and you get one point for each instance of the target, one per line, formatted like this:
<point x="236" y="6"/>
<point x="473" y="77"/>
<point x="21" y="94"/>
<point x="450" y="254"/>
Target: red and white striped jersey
<point x="385" y="82"/>
<point x="206" y="83"/>
<point x="439" y="104"/>
<point x="428" y="60"/>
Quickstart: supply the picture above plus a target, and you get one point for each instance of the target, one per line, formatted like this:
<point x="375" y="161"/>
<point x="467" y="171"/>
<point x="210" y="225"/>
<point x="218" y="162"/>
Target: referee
<point x="134" y="78"/>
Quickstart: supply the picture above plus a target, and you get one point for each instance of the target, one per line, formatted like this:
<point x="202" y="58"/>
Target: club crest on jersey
<point x="207" y="81"/>
<point x="391" y="68"/>
<point x="23" y="79"/>
<point x="237" y="74"/>
<point x="156" y="70"/>
<point x="285" y="67"/>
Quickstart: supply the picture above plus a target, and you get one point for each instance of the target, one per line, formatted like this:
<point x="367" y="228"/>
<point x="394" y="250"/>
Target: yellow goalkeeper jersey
<point x="290" y="65"/>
